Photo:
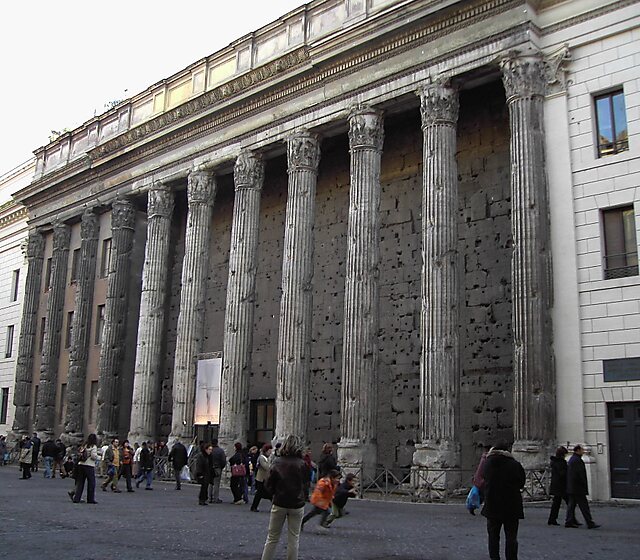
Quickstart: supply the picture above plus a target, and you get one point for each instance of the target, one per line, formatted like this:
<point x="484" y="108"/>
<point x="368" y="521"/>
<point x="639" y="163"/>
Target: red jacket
<point x="323" y="493"/>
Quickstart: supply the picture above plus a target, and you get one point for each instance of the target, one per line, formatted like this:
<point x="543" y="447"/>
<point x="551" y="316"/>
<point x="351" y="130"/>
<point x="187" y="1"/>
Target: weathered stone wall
<point x="485" y="244"/>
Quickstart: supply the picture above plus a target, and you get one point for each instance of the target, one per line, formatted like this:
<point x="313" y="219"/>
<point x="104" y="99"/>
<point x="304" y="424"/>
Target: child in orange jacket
<point x="322" y="496"/>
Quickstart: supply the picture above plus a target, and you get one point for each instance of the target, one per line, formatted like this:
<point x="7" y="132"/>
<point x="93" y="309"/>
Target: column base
<point x="437" y="465"/>
<point x="359" y="458"/>
<point x="532" y="454"/>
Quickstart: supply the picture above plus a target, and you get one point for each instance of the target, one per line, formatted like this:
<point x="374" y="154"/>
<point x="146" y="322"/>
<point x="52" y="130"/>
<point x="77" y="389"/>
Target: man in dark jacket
<point x="504" y="478"/>
<point x="203" y="471"/>
<point x="178" y="457"/>
<point x="577" y="491"/>
<point x="218" y="463"/>
<point x="558" y="486"/>
<point x="49" y="452"/>
<point x="35" y="445"/>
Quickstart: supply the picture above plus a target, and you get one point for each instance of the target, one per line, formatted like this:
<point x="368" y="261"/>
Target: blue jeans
<point x="48" y="467"/>
<point x="148" y="475"/>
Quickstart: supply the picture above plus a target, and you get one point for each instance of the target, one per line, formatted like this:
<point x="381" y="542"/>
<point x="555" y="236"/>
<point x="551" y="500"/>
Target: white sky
<point x="61" y="60"/>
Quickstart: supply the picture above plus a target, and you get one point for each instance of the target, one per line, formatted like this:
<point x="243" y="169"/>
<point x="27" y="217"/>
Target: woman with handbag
<point x="261" y="475"/>
<point x="238" y="473"/>
<point x="86" y="470"/>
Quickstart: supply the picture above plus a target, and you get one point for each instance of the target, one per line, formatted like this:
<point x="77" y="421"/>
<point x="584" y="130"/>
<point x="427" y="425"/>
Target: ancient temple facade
<point x="383" y="215"/>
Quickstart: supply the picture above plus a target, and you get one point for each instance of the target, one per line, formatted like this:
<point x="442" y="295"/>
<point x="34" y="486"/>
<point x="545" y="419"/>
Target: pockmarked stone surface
<point x="167" y="525"/>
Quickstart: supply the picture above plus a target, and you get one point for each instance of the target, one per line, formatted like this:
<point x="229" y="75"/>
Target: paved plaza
<point x="38" y="520"/>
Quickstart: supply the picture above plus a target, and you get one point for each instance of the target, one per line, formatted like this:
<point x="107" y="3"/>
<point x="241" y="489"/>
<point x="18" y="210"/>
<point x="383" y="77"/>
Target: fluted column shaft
<point x="238" y="332"/>
<point x="201" y="192"/>
<point x="123" y="219"/>
<point x="81" y="327"/>
<point x="28" y="333"/>
<point x="46" y="405"/>
<point x="294" y="335"/>
<point x="440" y="356"/>
<point x="534" y="376"/>
<point x="357" y="445"/>
<point x="151" y="325"/>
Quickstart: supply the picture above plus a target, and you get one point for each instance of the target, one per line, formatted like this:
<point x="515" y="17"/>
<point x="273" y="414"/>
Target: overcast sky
<point x="62" y="60"/>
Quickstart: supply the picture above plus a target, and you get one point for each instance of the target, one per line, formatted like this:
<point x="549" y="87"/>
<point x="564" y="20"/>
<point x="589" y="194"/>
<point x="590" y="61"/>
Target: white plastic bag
<point x="184" y="474"/>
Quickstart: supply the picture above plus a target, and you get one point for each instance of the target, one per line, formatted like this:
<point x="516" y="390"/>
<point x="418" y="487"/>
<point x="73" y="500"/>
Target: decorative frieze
<point x="28" y="333"/>
<point x="201" y="193"/>
<point x="238" y="332"/>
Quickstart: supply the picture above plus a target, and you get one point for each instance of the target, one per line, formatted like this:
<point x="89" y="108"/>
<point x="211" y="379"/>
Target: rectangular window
<point x="63" y="403"/>
<point x="105" y="258"/>
<point x="75" y="265"/>
<point x="15" y="280"/>
<point x="611" y="122"/>
<point x="4" y="405"/>
<point x="43" y="329"/>
<point x="47" y="276"/>
<point x="8" y="350"/>
<point x="262" y="421"/>
<point x="99" y="324"/>
<point x="93" y="404"/>
<point x="69" y="333"/>
<point x="621" y="250"/>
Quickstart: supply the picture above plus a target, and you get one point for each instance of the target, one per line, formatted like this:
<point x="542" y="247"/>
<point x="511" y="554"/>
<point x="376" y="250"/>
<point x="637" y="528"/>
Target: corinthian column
<point x="238" y="333"/>
<point x="46" y="405"/>
<point x="151" y="325"/>
<point x="534" y="377"/>
<point x="201" y="193"/>
<point x="294" y="335"/>
<point x="28" y="333"/>
<point x="439" y="445"/>
<point x="357" y="447"/>
<point x="81" y="329"/>
<point x="123" y="219"/>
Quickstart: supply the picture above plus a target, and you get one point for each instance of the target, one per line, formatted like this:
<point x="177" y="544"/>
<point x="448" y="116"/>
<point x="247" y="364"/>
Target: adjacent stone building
<point x="408" y="226"/>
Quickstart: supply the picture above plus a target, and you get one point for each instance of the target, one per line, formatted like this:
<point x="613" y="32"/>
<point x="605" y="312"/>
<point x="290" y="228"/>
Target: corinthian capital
<point x="303" y="151"/>
<point x="89" y="225"/>
<point x="438" y="105"/>
<point x="35" y="245"/>
<point x="123" y="214"/>
<point x="523" y="76"/>
<point x="201" y="188"/>
<point x="366" y="128"/>
<point x="61" y="236"/>
<point x="248" y="172"/>
<point x="160" y="201"/>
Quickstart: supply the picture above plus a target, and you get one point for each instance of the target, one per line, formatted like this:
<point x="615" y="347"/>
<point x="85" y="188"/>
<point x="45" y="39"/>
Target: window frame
<point x="8" y="347"/>
<point x="599" y="147"/>
<point x="629" y="269"/>
<point x="15" y="285"/>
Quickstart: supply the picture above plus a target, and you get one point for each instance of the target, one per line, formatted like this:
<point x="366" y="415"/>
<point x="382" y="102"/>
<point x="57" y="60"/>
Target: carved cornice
<point x="366" y="128"/>
<point x="89" y="225"/>
<point x="439" y="104"/>
<point x="523" y="76"/>
<point x="248" y="171"/>
<point x="123" y="214"/>
<point x="35" y="246"/>
<point x="240" y="84"/>
<point x="61" y="236"/>
<point x="160" y="201"/>
<point x="303" y="151"/>
<point x="201" y="188"/>
<point x="11" y="218"/>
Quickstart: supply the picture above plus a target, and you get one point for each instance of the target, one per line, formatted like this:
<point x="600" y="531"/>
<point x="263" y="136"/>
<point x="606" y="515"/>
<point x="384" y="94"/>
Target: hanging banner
<point x="208" y="372"/>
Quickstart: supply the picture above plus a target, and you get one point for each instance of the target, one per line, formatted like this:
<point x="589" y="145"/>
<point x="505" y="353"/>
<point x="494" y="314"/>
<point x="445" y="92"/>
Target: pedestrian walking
<point x="238" y="463"/>
<point x="85" y="470"/>
<point x="179" y="459"/>
<point x="36" y="443"/>
<point x="3" y="451"/>
<point x="218" y="460"/>
<point x="327" y="461"/>
<point x="137" y="449"/>
<point x="254" y="453"/>
<point x="61" y="451"/>
<point x="126" y="464"/>
<point x="261" y="475"/>
<point x="286" y="484"/>
<point x="577" y="491"/>
<point x="25" y="457"/>
<point x="504" y="478"/>
<point x="111" y="458"/>
<point x="322" y="497"/>
<point x="558" y="486"/>
<point x="49" y="451"/>
<point x="146" y="467"/>
<point x="345" y="490"/>
<point x="203" y="471"/>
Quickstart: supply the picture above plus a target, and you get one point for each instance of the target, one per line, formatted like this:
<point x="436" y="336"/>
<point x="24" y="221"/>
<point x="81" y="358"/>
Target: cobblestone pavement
<point x="37" y="520"/>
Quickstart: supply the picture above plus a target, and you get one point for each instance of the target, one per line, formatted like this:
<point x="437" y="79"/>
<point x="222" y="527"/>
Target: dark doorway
<point x="261" y="429"/>
<point x="624" y="449"/>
